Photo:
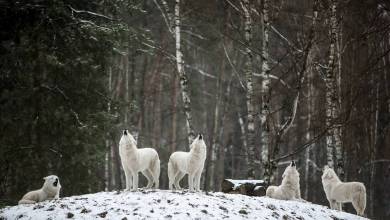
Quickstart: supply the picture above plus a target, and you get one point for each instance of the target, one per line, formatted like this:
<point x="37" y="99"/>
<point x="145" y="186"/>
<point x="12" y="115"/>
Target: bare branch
<point x="90" y="13"/>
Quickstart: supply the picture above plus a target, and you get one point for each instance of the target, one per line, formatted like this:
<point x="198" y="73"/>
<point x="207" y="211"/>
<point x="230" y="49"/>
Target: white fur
<point x="289" y="189"/>
<point x="338" y="192"/>
<point x="136" y="160"/>
<point x="191" y="163"/>
<point x="47" y="192"/>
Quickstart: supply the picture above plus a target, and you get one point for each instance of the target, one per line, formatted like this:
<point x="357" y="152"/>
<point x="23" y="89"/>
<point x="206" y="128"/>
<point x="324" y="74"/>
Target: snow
<point x="237" y="183"/>
<point x="258" y="187"/>
<point x="164" y="204"/>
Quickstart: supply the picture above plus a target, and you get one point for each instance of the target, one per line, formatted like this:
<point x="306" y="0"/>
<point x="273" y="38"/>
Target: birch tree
<point x="265" y="90"/>
<point x="182" y="75"/>
<point x="249" y="90"/>
<point x="333" y="136"/>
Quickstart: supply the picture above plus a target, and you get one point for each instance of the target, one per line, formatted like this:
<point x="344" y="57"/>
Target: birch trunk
<point x="243" y="138"/>
<point x="333" y="136"/>
<point x="265" y="92"/>
<point x="249" y="92"/>
<point x="182" y="75"/>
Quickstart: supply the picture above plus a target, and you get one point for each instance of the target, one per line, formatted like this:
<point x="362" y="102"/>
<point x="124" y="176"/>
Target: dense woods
<point x="264" y="81"/>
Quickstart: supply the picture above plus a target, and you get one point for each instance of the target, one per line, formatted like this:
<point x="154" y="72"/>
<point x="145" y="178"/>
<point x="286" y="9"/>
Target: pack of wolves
<point x="146" y="161"/>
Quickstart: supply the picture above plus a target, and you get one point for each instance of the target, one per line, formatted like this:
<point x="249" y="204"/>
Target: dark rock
<point x="69" y="215"/>
<point x="287" y="217"/>
<point x="271" y="206"/>
<point x="103" y="214"/>
<point x="223" y="208"/>
<point x="38" y="207"/>
<point x="243" y="211"/>
<point x="84" y="210"/>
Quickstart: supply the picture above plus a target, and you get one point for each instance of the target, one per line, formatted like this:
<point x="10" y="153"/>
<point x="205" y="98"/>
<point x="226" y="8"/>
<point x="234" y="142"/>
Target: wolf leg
<point x="148" y="174"/>
<point x="128" y="177"/>
<point x="135" y="181"/>
<point x="197" y="180"/>
<point x="191" y="181"/>
<point x="333" y="204"/>
<point x="179" y="176"/>
<point x="340" y="206"/>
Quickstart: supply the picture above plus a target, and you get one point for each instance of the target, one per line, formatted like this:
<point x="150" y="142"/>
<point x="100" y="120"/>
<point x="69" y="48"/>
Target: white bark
<point x="182" y="75"/>
<point x="249" y="92"/>
<point x="265" y="88"/>
<point x="243" y="138"/>
<point x="333" y="136"/>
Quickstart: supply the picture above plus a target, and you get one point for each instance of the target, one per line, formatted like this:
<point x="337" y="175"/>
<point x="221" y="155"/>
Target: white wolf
<point x="136" y="160"/>
<point x="50" y="190"/>
<point x="338" y="192"/>
<point x="191" y="163"/>
<point x="289" y="189"/>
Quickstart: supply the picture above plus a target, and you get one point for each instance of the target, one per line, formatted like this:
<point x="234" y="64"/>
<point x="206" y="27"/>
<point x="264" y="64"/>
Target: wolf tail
<point x="359" y="202"/>
<point x="156" y="171"/>
<point x="26" y="201"/>
<point x="171" y="174"/>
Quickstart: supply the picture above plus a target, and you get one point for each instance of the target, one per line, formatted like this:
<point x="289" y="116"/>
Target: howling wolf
<point x="338" y="192"/>
<point x="191" y="163"/>
<point x="136" y="160"/>
<point x="50" y="190"/>
<point x="289" y="189"/>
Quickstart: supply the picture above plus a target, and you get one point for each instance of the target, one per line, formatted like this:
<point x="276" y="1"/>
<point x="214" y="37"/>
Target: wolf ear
<point x="328" y="175"/>
<point x="325" y="168"/>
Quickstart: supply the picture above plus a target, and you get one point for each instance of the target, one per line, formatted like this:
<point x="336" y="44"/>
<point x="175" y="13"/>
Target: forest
<point x="265" y="82"/>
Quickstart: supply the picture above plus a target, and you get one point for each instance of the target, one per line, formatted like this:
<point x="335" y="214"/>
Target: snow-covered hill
<point x="162" y="204"/>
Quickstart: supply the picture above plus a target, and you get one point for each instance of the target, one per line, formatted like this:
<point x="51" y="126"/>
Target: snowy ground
<point x="162" y="204"/>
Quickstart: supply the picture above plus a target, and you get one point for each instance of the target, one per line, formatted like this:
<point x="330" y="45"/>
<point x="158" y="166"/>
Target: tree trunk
<point x="333" y="136"/>
<point x="249" y="93"/>
<point x="265" y="94"/>
<point x="108" y="157"/>
<point x="182" y="75"/>
<point x="308" y="132"/>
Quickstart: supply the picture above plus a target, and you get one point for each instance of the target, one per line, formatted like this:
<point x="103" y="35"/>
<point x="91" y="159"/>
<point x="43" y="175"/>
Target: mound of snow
<point x="162" y="204"/>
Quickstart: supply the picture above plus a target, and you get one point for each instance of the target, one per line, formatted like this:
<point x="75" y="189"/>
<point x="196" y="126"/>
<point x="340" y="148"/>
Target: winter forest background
<point x="264" y="81"/>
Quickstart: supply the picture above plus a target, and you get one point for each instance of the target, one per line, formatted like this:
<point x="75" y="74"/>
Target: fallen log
<point x="244" y="187"/>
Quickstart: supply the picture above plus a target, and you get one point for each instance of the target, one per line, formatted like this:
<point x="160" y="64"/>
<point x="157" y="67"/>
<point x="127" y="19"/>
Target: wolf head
<point x="199" y="141"/>
<point x="328" y="174"/>
<point x="127" y="138"/>
<point x="52" y="183"/>
<point x="291" y="171"/>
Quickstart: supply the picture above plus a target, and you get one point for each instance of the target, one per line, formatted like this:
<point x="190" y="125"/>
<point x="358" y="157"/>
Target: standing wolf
<point x="50" y="190"/>
<point x="338" y="192"/>
<point x="136" y="160"/>
<point x="191" y="163"/>
<point x="289" y="189"/>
